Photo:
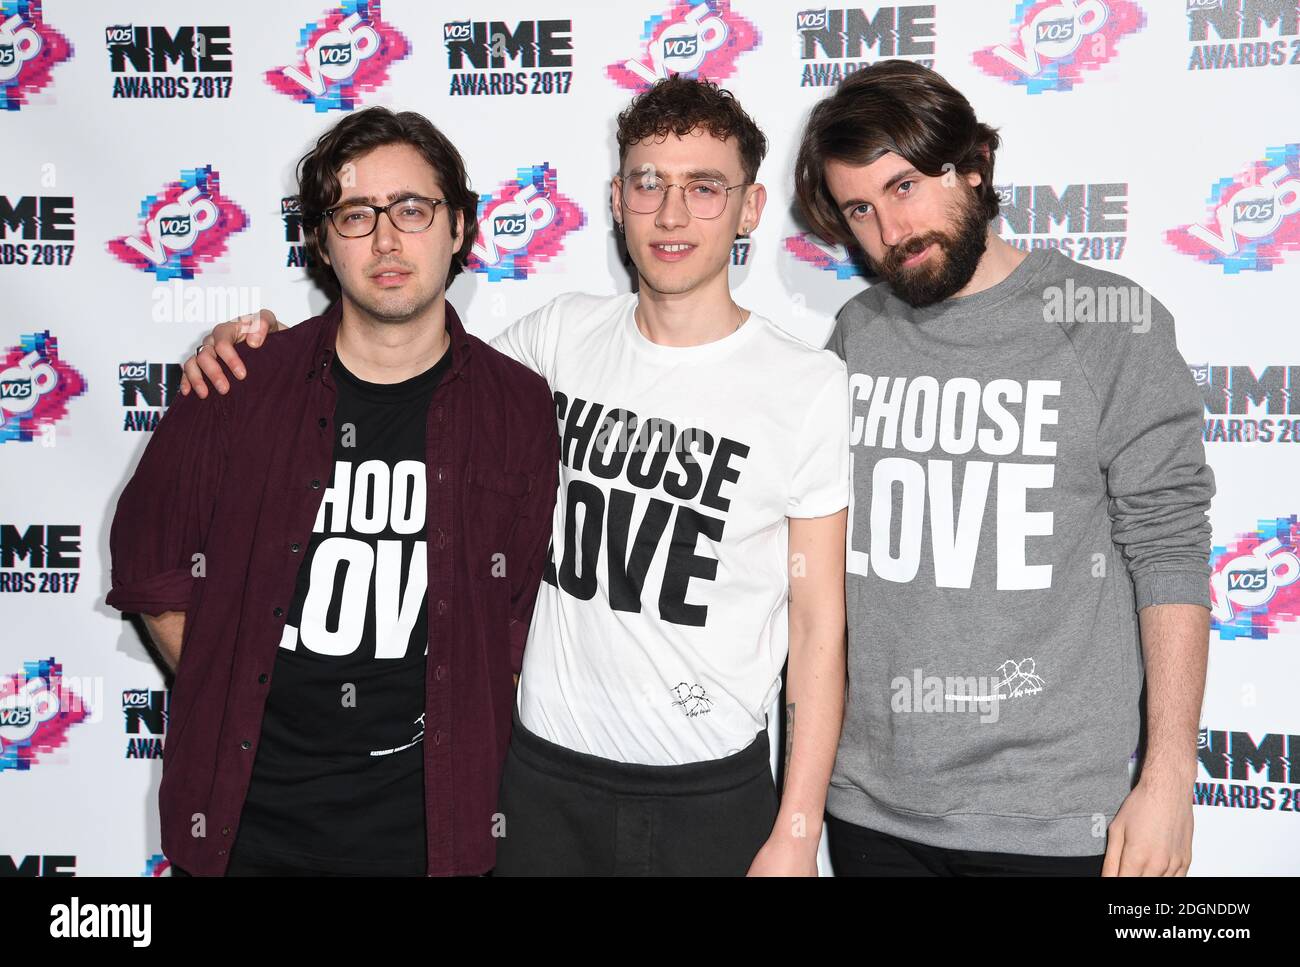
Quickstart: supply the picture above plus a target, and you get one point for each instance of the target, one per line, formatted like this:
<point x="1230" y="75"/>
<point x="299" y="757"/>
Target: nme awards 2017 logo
<point x="1252" y="217"/>
<point x="1253" y="581"/>
<point x="1059" y="41"/>
<point x="35" y="386"/>
<point x="29" y="51"/>
<point x="183" y="226"/>
<point x="346" y="54"/>
<point x="692" y="39"/>
<point x="523" y="225"/>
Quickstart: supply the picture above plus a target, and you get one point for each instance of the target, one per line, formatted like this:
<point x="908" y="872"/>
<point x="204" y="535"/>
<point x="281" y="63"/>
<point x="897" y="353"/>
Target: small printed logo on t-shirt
<point x="691" y="699"/>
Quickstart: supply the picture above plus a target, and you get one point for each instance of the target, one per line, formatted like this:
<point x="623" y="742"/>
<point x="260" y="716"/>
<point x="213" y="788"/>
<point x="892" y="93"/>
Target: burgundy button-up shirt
<point x="214" y="522"/>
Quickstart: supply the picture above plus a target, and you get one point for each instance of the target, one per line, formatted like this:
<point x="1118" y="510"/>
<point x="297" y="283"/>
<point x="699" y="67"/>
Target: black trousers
<point x="242" y="866"/>
<point x="567" y="813"/>
<point x="857" y="851"/>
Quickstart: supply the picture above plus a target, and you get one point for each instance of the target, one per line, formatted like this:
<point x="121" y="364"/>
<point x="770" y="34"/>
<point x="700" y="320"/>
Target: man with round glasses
<point x="340" y="561"/>
<point x="644" y="193"/>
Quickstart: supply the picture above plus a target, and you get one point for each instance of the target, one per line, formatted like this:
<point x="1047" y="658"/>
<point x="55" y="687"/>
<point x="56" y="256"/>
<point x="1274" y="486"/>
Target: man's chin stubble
<point x="394" y="315"/>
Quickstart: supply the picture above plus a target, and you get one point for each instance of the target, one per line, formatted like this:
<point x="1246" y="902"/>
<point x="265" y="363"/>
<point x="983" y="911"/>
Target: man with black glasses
<point x="340" y="561"/>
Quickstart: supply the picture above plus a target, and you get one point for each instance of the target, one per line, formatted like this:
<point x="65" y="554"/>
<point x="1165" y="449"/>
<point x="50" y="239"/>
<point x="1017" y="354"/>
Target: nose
<point x="386" y="237"/>
<point x="894" y="227"/>
<point x="673" y="213"/>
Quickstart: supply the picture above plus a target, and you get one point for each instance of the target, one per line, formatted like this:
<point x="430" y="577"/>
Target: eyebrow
<point x="372" y="199"/>
<point x="694" y="173"/>
<point x="894" y="179"/>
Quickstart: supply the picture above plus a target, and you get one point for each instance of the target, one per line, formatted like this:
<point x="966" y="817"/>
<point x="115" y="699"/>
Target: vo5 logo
<point x="341" y="57"/>
<point x="335" y="55"/>
<point x="1252" y="213"/>
<point x="513" y="224"/>
<point x="22" y="712"/>
<point x="23" y="384"/>
<point x="1250" y="580"/>
<point x="1053" y="33"/>
<point x="523" y="224"/>
<point x="682" y="47"/>
<point x="185" y="224"/>
<point x="695" y="39"/>
<point x="1053" y="54"/>
<point x="18" y="44"/>
<point x="1253" y="216"/>
<point x="810" y="19"/>
<point x="174" y="227"/>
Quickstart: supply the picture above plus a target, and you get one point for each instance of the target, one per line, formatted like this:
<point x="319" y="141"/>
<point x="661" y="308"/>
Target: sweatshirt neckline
<point x="1020" y="278"/>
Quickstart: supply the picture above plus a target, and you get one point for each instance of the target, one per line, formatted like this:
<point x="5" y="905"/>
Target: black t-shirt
<point x="338" y="782"/>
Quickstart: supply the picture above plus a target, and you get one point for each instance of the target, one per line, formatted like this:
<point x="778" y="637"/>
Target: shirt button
<point x="442" y="538"/>
<point x="437" y="414"/>
<point x="442" y="607"/>
<point x="294" y="547"/>
<point x="221" y="852"/>
<point x="437" y="673"/>
<point x="245" y="744"/>
<point x="278" y="612"/>
<point x="441" y="475"/>
<point x="262" y="678"/>
<point x="323" y="422"/>
<point x="315" y="485"/>
<point x="225" y="830"/>
<point x="437" y="738"/>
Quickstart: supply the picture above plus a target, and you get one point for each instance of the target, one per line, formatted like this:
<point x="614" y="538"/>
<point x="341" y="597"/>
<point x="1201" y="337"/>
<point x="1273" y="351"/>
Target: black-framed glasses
<point x="705" y="197"/>
<point x="357" y="219"/>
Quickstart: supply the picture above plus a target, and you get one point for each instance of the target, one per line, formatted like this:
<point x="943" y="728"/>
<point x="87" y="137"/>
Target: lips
<point x="390" y="277"/>
<point x="914" y="259"/>
<point x="672" y="250"/>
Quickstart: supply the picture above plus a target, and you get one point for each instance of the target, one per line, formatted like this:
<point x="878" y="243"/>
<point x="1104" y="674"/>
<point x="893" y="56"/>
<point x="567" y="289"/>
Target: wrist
<point x="1169" y="772"/>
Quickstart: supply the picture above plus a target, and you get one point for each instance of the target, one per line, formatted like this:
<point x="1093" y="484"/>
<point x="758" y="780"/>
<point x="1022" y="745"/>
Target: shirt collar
<point x="461" y="344"/>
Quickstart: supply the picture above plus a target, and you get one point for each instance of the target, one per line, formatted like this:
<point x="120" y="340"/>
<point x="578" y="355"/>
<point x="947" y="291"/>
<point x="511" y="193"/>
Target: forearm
<point x="814" y="715"/>
<point x="1175" y="645"/>
<point x="167" y="631"/>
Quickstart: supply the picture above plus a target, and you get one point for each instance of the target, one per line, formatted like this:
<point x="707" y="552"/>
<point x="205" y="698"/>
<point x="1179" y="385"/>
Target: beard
<point x="947" y="270"/>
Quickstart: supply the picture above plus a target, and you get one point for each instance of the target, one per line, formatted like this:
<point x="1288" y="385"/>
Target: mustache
<point x="899" y="254"/>
<point x="389" y="267"/>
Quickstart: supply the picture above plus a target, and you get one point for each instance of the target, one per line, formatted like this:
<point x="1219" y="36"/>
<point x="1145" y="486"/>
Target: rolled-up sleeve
<point x="1150" y="445"/>
<point x="163" y="515"/>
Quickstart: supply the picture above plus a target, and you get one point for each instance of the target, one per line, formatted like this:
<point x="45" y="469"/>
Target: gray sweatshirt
<point x="1027" y="473"/>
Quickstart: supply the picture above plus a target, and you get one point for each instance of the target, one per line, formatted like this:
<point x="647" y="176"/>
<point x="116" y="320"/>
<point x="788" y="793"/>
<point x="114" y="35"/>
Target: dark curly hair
<point x="679" y="105"/>
<point x="358" y="134"/>
<point x="892" y="106"/>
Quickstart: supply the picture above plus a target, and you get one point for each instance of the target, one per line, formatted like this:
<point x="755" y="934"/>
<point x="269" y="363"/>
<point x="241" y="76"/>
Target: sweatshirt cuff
<point x="1172" y="587"/>
<point x="168" y="591"/>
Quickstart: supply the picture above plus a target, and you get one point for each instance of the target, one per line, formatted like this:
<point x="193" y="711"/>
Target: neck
<point x="705" y="314"/>
<point x="999" y="260"/>
<point x="386" y="352"/>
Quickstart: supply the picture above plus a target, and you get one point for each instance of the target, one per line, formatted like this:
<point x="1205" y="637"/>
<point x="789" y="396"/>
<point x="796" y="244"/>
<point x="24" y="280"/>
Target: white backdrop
<point x="1126" y="125"/>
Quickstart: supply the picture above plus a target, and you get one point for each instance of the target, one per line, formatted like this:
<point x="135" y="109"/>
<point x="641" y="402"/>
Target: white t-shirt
<point x="661" y="625"/>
